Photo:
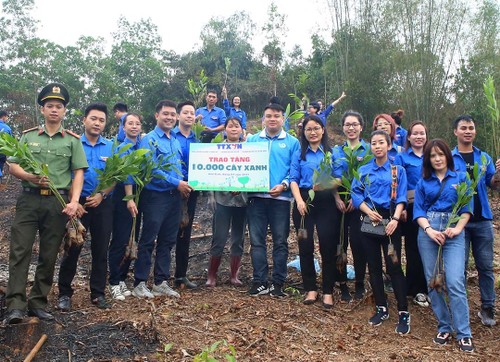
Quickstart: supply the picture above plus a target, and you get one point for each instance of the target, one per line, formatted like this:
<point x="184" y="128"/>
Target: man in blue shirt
<point x="185" y="135"/>
<point x="96" y="211"/>
<point x="4" y="127"/>
<point x="479" y="230"/>
<point x="120" y="110"/>
<point x="272" y="208"/>
<point x="160" y="203"/>
<point x="211" y="116"/>
<point x="401" y="133"/>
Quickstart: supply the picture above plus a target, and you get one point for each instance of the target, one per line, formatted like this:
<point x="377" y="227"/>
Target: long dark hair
<point x="441" y="145"/>
<point x="303" y="141"/>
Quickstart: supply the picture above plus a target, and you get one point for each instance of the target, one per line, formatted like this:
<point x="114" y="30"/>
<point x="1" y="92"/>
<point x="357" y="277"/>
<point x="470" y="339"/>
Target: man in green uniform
<point x="38" y="209"/>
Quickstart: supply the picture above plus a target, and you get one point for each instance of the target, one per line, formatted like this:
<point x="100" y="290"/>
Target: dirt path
<point x="258" y="328"/>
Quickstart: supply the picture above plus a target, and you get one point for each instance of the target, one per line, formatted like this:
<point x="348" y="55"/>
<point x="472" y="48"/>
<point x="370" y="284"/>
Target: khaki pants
<point x="34" y="213"/>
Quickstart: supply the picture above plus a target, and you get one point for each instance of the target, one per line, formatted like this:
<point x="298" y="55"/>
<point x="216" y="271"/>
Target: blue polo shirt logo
<point x="282" y="145"/>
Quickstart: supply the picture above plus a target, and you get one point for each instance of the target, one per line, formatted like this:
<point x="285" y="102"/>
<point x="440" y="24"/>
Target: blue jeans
<point x="456" y="317"/>
<point x="262" y="212"/>
<point x="479" y="235"/>
<point x="161" y="216"/>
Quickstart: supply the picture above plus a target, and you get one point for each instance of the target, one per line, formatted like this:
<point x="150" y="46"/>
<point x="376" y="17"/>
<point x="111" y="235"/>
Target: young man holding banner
<point x="273" y="207"/>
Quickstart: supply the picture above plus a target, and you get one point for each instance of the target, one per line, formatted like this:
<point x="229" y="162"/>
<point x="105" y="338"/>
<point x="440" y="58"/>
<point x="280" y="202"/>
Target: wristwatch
<point x="285" y="186"/>
<point x="103" y="194"/>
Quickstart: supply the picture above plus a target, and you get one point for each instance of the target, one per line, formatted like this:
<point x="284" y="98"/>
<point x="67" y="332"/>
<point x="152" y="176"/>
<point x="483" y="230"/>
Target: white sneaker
<point x="116" y="292"/>
<point x="164" y="289"/>
<point x="124" y="289"/>
<point x="421" y="299"/>
<point x="142" y="291"/>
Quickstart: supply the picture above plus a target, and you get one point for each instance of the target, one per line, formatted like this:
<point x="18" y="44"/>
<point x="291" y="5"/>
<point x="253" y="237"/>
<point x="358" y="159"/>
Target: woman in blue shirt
<point x="371" y="193"/>
<point x="411" y="160"/>
<point x="352" y="126"/>
<point x="320" y="213"/>
<point x="124" y="211"/>
<point x="435" y="197"/>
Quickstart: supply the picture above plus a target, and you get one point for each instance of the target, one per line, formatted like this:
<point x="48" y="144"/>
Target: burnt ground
<point x="257" y="328"/>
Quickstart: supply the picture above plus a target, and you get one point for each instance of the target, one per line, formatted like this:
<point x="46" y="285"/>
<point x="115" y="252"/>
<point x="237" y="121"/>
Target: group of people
<point x="399" y="179"/>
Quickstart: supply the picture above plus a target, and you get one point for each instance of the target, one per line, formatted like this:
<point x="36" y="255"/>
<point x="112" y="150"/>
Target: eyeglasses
<point x="315" y="129"/>
<point x="351" y="125"/>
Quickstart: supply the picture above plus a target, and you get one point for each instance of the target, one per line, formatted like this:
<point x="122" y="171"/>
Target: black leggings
<point x="372" y="244"/>
<point x="322" y="214"/>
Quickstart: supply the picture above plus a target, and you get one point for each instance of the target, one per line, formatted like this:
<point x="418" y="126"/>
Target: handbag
<point x="373" y="228"/>
<point x="378" y="228"/>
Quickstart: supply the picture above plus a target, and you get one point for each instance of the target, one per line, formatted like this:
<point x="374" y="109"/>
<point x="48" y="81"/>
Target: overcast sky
<point x="179" y="22"/>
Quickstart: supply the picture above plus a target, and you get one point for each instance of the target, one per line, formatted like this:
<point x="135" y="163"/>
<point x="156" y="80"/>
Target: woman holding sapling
<point x="442" y="246"/>
<point x="411" y="159"/>
<point x="380" y="194"/>
<point x="348" y="157"/>
<point x="314" y="208"/>
<point x="124" y="211"/>
<point x="229" y="212"/>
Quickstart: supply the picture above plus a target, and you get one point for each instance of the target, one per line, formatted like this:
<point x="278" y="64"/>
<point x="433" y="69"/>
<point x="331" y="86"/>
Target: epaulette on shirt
<point x="30" y="129"/>
<point x="72" y="133"/>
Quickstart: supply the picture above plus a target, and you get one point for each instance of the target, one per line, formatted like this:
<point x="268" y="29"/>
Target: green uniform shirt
<point x="62" y="152"/>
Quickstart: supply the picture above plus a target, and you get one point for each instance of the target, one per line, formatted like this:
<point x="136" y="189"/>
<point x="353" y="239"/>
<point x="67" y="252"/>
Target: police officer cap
<point x="53" y="91"/>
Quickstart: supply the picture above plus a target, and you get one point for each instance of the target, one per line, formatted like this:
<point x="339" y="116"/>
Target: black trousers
<point x="322" y="214"/>
<point x="415" y="278"/>
<point x="353" y="237"/>
<point x="184" y="238"/>
<point x="99" y="221"/>
<point x="373" y="245"/>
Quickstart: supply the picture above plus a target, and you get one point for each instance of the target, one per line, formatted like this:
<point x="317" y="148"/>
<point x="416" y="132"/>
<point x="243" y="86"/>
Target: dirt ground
<point x="255" y="328"/>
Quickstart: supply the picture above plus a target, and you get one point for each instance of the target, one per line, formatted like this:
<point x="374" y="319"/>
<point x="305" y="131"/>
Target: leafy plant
<point x="489" y="92"/>
<point x="198" y="88"/>
<point x="227" y="63"/>
<point x="219" y="348"/>
<point x="298" y="113"/>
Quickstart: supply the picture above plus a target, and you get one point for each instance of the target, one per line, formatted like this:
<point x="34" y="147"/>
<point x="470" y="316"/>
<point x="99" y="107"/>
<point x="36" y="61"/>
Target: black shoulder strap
<point x="438" y="194"/>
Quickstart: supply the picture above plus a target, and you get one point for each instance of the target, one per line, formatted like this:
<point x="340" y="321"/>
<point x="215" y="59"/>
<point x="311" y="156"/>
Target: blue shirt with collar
<point x="301" y="172"/>
<point x="393" y="152"/>
<point x="212" y="118"/>
<point x="4" y="127"/>
<point x="374" y="186"/>
<point x="485" y="181"/>
<point x="340" y="166"/>
<point x="233" y="112"/>
<point x="325" y="113"/>
<point x="282" y="147"/>
<point x="158" y="142"/>
<point x="185" y="143"/>
<point x="412" y="163"/>
<point x="401" y="136"/>
<point x="96" y="158"/>
<point x="427" y="190"/>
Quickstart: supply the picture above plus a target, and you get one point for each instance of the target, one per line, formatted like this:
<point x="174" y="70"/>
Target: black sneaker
<point x="345" y="296"/>
<point x="442" y="338"/>
<point x="487" y="316"/>
<point x="466" y="345"/>
<point x="276" y="290"/>
<point x="403" y="326"/>
<point x="380" y="315"/>
<point x="258" y="289"/>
